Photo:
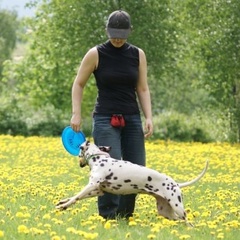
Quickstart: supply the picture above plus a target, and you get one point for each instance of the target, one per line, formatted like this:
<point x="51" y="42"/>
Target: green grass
<point x="37" y="172"/>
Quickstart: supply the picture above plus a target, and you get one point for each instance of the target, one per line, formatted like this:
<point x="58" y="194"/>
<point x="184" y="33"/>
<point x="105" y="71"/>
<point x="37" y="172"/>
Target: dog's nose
<point x="82" y="163"/>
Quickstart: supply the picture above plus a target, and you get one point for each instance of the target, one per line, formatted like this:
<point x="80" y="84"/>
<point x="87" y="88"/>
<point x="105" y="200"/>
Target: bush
<point x="10" y="123"/>
<point x="23" y="120"/>
<point x="26" y="121"/>
<point x="179" y="127"/>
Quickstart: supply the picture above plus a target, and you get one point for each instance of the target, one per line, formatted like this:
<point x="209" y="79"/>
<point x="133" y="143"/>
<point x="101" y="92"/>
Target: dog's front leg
<point x="86" y="192"/>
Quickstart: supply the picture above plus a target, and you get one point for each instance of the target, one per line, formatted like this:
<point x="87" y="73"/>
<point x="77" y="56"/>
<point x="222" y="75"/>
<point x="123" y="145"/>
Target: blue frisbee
<point x="72" y="140"/>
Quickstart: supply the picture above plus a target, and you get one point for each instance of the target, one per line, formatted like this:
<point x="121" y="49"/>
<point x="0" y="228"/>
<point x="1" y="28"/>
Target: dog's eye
<point x="80" y="153"/>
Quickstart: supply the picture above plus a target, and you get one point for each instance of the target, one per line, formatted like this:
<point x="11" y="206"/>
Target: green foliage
<point x="216" y="25"/>
<point x="8" y="26"/>
<point x="18" y="118"/>
<point x="207" y="126"/>
<point x="179" y="127"/>
<point x="192" y="50"/>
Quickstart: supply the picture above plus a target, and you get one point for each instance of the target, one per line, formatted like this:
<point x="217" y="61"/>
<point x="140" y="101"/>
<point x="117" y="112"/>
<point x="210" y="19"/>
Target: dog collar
<point x="97" y="154"/>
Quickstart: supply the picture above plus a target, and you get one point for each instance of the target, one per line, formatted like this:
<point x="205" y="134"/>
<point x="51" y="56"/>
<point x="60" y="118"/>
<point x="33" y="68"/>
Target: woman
<point x="120" y="70"/>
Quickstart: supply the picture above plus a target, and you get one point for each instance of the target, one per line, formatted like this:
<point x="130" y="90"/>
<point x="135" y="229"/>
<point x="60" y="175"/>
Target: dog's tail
<point x="181" y="185"/>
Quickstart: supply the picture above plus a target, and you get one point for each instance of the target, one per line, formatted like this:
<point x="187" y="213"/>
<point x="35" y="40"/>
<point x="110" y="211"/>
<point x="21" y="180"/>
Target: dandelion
<point x="151" y="236"/>
<point x="220" y="236"/>
<point x="128" y="235"/>
<point x="19" y="215"/>
<point x="107" y="225"/>
<point x="132" y="223"/>
<point x="24" y="208"/>
<point x="155" y="230"/>
<point x="71" y="230"/>
<point x="175" y="232"/>
<point x="56" y="238"/>
<point x="36" y="231"/>
<point x="47" y="216"/>
<point x="183" y="237"/>
<point x="2" y="207"/>
<point x="1" y="234"/>
<point x="23" y="229"/>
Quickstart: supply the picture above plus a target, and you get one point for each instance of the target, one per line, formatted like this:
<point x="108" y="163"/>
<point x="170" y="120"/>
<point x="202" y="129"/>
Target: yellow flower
<point x="55" y="238"/>
<point x="107" y="225"/>
<point x="2" y="207"/>
<point x="46" y="216"/>
<point x="132" y="223"/>
<point x="128" y="235"/>
<point x="20" y="215"/>
<point x="182" y="237"/>
<point x="151" y="236"/>
<point x="220" y="236"/>
<point x="23" y="229"/>
<point x="1" y="234"/>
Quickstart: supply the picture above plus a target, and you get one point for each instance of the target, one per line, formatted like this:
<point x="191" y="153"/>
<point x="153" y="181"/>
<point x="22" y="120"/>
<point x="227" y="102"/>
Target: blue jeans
<point x="126" y="143"/>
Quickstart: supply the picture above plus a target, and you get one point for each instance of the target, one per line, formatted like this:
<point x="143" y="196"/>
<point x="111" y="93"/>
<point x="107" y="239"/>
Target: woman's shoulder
<point x="134" y="46"/>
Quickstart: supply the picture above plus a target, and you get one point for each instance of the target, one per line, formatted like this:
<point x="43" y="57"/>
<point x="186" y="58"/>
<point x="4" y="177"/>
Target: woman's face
<point x="117" y="42"/>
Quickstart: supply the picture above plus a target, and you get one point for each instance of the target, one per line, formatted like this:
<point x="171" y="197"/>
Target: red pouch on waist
<point x="117" y="120"/>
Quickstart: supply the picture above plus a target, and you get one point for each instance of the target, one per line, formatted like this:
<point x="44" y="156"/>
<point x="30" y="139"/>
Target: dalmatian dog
<point x="123" y="177"/>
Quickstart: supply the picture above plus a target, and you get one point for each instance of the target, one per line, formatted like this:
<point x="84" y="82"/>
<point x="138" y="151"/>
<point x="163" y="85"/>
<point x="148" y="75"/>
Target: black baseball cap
<point x="119" y="24"/>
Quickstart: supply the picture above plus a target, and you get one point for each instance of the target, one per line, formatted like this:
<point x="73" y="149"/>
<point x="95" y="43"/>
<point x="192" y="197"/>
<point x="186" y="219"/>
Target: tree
<point x="219" y="48"/>
<point x="192" y="49"/>
<point x="8" y="35"/>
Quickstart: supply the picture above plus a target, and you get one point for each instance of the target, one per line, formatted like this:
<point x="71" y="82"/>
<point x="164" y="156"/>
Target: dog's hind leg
<point x="91" y="190"/>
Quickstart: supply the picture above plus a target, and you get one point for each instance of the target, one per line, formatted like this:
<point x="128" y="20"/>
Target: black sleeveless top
<point x="116" y="78"/>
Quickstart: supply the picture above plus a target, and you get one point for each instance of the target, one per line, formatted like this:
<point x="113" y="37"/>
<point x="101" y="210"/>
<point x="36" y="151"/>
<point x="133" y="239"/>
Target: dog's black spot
<point x="94" y="159"/>
<point x="164" y="184"/>
<point x="98" y="157"/>
<point x="115" y="188"/>
<point x="120" y="165"/>
<point x="119" y="185"/>
<point x="149" y="187"/>
<point x="179" y="199"/>
<point x="108" y="177"/>
<point x="156" y="190"/>
<point x="176" y="205"/>
<point x="149" y="178"/>
<point x="169" y="200"/>
<point x="135" y="186"/>
<point x="127" y="180"/>
<point x="115" y="178"/>
<point x="102" y="165"/>
<point x="109" y="169"/>
<point x="168" y="188"/>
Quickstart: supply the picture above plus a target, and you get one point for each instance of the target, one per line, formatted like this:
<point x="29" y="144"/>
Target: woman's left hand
<point x="148" y="128"/>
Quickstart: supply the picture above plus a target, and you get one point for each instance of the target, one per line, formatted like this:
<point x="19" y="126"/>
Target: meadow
<point x="36" y="172"/>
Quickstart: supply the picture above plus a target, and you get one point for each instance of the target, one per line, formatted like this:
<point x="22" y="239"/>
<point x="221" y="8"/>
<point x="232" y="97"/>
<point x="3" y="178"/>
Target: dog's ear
<point x="105" y="148"/>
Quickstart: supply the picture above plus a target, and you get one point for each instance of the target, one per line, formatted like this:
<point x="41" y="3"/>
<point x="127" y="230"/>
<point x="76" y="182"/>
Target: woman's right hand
<point x="75" y="122"/>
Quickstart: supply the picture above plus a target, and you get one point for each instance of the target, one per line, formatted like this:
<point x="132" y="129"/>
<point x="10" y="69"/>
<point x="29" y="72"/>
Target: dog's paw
<point x="62" y="201"/>
<point x="61" y="207"/>
<point x="65" y="203"/>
